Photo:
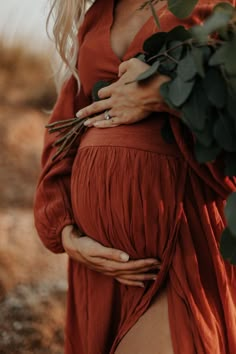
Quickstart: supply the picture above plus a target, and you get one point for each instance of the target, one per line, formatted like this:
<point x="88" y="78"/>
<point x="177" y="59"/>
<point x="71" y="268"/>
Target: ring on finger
<point x="107" y="116"/>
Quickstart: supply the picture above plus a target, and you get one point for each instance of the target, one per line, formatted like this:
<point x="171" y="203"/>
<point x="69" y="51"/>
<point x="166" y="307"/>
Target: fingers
<point x="97" y="253"/>
<point x="139" y="277"/>
<point x="113" y="268"/>
<point x="100" y="122"/>
<point x="107" y="91"/>
<point x="112" y="262"/>
<point x="94" y="109"/>
<point x="91" y="121"/>
<point x="131" y="282"/>
<point x="111" y="258"/>
<point x="110" y="123"/>
<point x="136" y="279"/>
<point x="112" y="254"/>
<point x="152" y="268"/>
<point x="126" y="65"/>
<point x="123" y="68"/>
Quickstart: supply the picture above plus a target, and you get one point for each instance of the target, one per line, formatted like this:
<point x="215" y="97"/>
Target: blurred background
<point x="32" y="280"/>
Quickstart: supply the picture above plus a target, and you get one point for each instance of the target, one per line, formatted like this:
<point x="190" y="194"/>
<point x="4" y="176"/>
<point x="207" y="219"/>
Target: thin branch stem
<point x="188" y="42"/>
<point x="60" y="122"/>
<point x="71" y="128"/>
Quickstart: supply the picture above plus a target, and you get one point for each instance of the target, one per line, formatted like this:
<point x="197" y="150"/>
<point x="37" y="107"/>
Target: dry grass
<point x="26" y="90"/>
<point x="26" y="77"/>
<point x="32" y="280"/>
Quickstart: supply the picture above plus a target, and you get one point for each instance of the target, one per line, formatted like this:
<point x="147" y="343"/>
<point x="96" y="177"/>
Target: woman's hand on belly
<point x="108" y="261"/>
<point x="126" y="104"/>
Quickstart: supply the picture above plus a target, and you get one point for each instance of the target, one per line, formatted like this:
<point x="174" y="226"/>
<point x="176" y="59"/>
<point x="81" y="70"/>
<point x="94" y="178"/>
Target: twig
<point x="73" y="127"/>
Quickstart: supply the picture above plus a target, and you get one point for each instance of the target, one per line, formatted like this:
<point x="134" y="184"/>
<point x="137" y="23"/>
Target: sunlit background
<point x="32" y="280"/>
<point x="24" y="20"/>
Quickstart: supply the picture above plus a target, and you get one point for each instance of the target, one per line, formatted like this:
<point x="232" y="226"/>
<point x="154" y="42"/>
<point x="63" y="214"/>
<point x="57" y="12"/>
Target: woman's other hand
<point x="126" y="103"/>
<point x="108" y="261"/>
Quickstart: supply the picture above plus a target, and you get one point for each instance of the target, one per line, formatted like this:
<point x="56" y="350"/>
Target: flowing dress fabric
<point x="129" y="189"/>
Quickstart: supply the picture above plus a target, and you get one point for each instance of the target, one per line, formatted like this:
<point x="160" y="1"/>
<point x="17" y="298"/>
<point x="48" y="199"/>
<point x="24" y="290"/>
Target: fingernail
<point x="78" y="114"/>
<point x="124" y="257"/>
<point x="142" y="285"/>
<point x="87" y="122"/>
<point x="154" y="278"/>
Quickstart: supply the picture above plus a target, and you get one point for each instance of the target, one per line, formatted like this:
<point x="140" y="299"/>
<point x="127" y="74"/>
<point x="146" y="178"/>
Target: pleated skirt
<point x="125" y="186"/>
<point x="133" y="191"/>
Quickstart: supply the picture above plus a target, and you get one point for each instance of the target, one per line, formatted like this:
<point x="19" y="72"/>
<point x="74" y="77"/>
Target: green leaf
<point x="198" y="59"/>
<point x="98" y="86"/>
<point x="213" y="23"/>
<point x="181" y="8"/>
<point x="230" y="164"/>
<point x="205" y="136"/>
<point x="164" y="92"/>
<point x="178" y="33"/>
<point x="175" y="49"/>
<point x="215" y="87"/>
<point x="179" y="91"/>
<point x="187" y="68"/>
<point x="231" y="106"/>
<point x="228" y="246"/>
<point x="141" y="57"/>
<point x="225" y="8"/>
<point x="206" y="154"/>
<point x="230" y="213"/>
<point x="230" y="60"/>
<point x="148" y="73"/>
<point x="154" y="43"/>
<point x="167" y="66"/>
<point x="224" y="132"/>
<point x="217" y="20"/>
<point x="225" y="56"/>
<point x="196" y="109"/>
<point x="220" y="54"/>
<point x="224" y="32"/>
<point x="231" y="81"/>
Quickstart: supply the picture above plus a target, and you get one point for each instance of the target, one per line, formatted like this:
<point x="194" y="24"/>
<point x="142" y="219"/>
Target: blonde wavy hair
<point x="67" y="16"/>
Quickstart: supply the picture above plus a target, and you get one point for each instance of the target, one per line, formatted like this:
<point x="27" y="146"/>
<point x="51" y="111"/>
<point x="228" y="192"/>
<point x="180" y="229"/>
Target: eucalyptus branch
<point x="167" y="51"/>
<point x="189" y="42"/>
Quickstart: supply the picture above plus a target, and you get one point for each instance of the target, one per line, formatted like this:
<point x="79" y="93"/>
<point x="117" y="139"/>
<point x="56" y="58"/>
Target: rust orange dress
<point x="129" y="189"/>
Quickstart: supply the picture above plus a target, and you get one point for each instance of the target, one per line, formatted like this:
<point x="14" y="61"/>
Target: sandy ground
<point x="32" y="280"/>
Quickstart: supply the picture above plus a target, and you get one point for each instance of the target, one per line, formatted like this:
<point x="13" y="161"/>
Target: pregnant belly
<point x="127" y="197"/>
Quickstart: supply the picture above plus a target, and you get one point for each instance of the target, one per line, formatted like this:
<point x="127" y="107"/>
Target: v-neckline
<point x="111" y="22"/>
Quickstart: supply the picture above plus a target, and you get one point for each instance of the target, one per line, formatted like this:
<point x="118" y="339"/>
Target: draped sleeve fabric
<point x="52" y="202"/>
<point x="52" y="205"/>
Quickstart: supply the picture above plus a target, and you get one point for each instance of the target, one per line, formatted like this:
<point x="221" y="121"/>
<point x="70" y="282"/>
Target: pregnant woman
<point x="146" y="275"/>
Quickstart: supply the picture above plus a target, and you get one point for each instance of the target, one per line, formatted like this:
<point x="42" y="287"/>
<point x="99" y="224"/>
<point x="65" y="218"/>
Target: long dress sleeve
<point x="52" y="204"/>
